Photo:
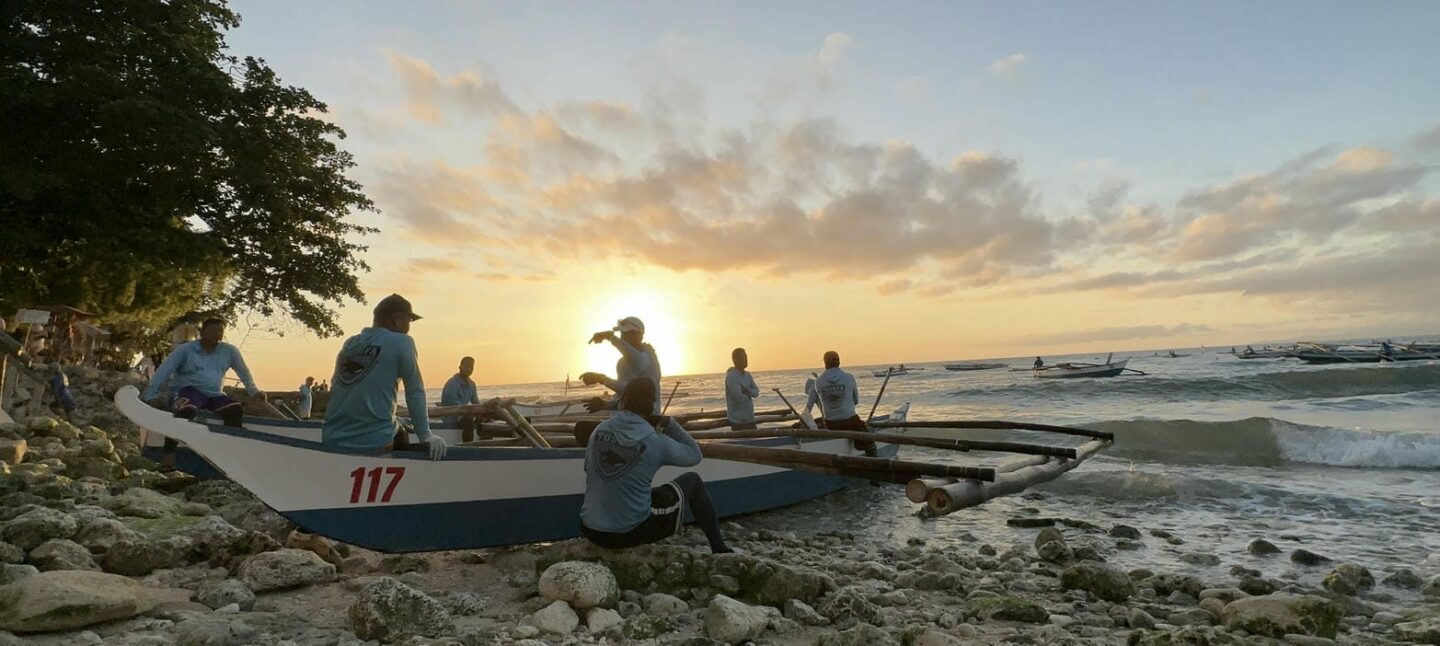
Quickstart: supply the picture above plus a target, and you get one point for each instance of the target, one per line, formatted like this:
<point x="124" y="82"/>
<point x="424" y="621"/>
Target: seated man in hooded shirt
<point x="623" y="453"/>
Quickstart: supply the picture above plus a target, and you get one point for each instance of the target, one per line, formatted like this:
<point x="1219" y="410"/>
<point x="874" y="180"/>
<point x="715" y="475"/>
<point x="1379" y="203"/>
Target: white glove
<point x="437" y="446"/>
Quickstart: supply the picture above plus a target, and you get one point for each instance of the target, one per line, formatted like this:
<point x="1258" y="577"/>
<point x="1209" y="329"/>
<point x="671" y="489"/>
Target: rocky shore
<point x="97" y="546"/>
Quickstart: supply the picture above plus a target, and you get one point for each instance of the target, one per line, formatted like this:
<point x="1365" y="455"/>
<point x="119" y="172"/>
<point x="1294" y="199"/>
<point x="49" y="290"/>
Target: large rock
<point x="847" y="606"/>
<point x="1276" y="615"/>
<point x="138" y="557"/>
<point x="660" y="604"/>
<point x="1006" y="608"/>
<point x="1100" y="579"/>
<point x="389" y="610"/>
<point x="28" y="530"/>
<point x="732" y="622"/>
<point x="71" y="599"/>
<point x="557" y="618"/>
<point x="146" y="503"/>
<point x="861" y="635"/>
<point x="13" y="554"/>
<point x="223" y="593"/>
<point x="580" y="584"/>
<point x="13" y="451"/>
<point x="1349" y="579"/>
<point x="600" y="621"/>
<point x="99" y="534"/>
<point x="285" y="568"/>
<point x="62" y="554"/>
<point x="1424" y="631"/>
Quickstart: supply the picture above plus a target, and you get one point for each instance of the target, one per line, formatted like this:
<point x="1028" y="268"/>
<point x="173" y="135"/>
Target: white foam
<point x="1356" y="448"/>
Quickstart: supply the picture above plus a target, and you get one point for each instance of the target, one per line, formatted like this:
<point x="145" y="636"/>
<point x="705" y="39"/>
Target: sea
<point x="1342" y="459"/>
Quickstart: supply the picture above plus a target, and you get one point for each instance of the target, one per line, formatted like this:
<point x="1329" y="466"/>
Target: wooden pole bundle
<point x="1013" y="477"/>
<point x="852" y="465"/>
<point x="721" y="414"/>
<point x="992" y="424"/>
<point x="709" y="424"/>
<point x="887" y="438"/>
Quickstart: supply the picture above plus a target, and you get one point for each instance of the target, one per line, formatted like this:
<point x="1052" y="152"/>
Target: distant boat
<point x="1266" y="352"/>
<point x="1321" y="353"/>
<point x="974" y="366"/>
<point x="1077" y="370"/>
<point x="1173" y="355"/>
<point x="895" y="372"/>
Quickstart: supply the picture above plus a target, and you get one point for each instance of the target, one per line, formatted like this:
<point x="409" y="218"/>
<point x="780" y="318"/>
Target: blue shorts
<point x="190" y="398"/>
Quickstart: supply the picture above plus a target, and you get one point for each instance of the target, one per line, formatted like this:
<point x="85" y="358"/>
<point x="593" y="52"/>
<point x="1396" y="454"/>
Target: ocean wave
<point x="1342" y="381"/>
<point x="1144" y="485"/>
<point x="1264" y="441"/>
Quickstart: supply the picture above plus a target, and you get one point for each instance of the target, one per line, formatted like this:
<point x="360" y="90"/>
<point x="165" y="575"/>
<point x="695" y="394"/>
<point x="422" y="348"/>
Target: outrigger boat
<point x="486" y="495"/>
<point x="965" y="366"/>
<point x="1078" y="370"/>
<point x="895" y="372"/>
<point x="1383" y="352"/>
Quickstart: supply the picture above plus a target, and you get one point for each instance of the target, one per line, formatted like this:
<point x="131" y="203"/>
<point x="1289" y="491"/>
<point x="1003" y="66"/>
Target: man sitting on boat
<point x="361" y="411"/>
<point x="621" y="457"/>
<point x="740" y="393"/>
<point x="637" y="360"/>
<point x="460" y="391"/>
<point x="195" y="372"/>
<point x="836" y="393"/>
<point x="1039" y="363"/>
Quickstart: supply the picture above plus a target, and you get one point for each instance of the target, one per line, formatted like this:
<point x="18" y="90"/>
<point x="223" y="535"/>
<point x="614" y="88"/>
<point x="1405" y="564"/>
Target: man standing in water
<point x="195" y="372"/>
<point x="306" y="401"/>
<point x="361" y="411"/>
<point x="740" y="393"/>
<point x="460" y="391"/>
<point x="621" y="457"/>
<point x="637" y="360"/>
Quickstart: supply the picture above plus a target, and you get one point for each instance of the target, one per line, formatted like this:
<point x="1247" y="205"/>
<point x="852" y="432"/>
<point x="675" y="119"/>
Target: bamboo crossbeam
<point x="888" y="438"/>
<point x="768" y="455"/>
<point x="993" y="424"/>
<point x="969" y="493"/>
<point x="709" y="424"/>
<point x="721" y="414"/>
<point x="918" y="490"/>
<point x="535" y="439"/>
<point x="487" y="408"/>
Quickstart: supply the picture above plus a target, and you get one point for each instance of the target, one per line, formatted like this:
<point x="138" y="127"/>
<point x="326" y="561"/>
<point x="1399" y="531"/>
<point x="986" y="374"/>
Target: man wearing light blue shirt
<point x="195" y="372"/>
<point x="306" y="402"/>
<point x="740" y="393"/>
<point x="460" y="391"/>
<point x="836" y="393"/>
<point x="637" y="361"/>
<point x="361" y="411"/>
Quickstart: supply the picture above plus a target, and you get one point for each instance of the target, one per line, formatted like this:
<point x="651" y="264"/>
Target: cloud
<point x="428" y="96"/>
<point x="1427" y="141"/>
<point x="1008" y="65"/>
<point x="1122" y="333"/>
<point x="834" y="48"/>
<point x="431" y="265"/>
<point x="657" y="183"/>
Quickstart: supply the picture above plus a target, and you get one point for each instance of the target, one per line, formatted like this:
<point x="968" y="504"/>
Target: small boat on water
<point x="895" y="371"/>
<point x="968" y="367"/>
<point x="1265" y="352"/>
<point x="1378" y="353"/>
<point x="1078" y="370"/>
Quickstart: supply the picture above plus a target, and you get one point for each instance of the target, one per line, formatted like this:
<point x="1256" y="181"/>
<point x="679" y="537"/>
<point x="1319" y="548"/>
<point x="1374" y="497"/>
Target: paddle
<point x="670" y="398"/>
<point x="805" y="418"/>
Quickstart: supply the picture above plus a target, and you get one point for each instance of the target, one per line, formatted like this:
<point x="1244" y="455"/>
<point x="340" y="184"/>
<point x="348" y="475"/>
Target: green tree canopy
<point x="145" y="171"/>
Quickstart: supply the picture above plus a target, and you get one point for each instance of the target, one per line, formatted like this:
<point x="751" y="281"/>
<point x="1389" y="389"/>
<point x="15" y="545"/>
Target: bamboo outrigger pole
<point x="843" y="464"/>
<point x="1023" y="473"/>
<point x="889" y="438"/>
<point x="992" y="424"/>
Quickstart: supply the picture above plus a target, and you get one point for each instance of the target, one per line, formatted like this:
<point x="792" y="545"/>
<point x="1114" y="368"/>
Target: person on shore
<point x="1039" y="363"/>
<point x="637" y="360"/>
<point x="195" y="372"/>
<point x="837" y="394"/>
<point x="361" y="411"/>
<point x="324" y="386"/>
<point x="306" y="402"/>
<point x="460" y="391"/>
<point x="623" y="453"/>
<point x="740" y="393"/>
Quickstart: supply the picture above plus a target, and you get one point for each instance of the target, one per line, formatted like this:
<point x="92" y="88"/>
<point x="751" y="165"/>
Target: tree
<point x="144" y="170"/>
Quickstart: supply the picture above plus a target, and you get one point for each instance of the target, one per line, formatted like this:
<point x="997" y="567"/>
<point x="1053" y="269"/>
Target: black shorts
<point x="667" y="511"/>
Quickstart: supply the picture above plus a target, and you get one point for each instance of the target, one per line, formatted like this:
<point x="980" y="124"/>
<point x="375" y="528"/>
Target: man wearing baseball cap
<point x="361" y="411"/>
<point x="637" y="359"/>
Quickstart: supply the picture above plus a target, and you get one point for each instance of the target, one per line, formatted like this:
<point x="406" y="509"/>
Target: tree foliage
<point x="144" y="170"/>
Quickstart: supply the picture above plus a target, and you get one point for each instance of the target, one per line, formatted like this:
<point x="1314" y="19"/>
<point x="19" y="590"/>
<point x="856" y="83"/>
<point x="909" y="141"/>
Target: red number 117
<point x="358" y="475"/>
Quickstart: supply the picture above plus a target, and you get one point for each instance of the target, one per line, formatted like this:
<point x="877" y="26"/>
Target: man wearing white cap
<point x="637" y="359"/>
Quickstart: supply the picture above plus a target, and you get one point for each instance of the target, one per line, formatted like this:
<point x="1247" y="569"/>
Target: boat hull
<point x="969" y="367"/>
<point x="1106" y="370"/>
<point x="400" y="501"/>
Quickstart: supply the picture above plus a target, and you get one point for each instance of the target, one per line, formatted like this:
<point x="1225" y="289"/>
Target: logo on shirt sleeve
<point x="358" y="364"/>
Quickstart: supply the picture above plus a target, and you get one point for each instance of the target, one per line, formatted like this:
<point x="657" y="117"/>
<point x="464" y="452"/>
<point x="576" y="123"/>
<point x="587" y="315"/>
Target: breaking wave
<point x="1264" y="441"/>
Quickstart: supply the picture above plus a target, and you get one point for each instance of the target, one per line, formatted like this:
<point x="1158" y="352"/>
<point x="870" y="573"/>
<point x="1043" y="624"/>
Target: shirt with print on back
<point x="621" y="459"/>
<point x="363" y="391"/>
